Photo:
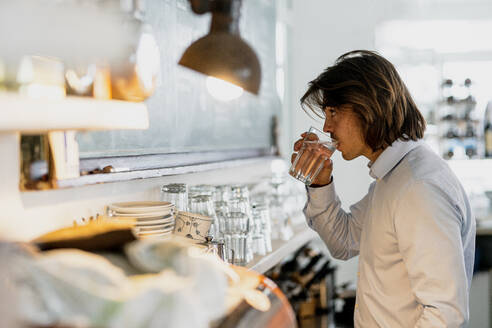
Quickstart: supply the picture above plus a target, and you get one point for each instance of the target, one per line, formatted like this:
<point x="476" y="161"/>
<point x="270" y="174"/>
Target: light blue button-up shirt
<point x="414" y="233"/>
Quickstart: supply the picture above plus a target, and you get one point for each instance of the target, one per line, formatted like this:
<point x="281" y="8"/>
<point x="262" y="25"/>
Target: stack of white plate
<point x="152" y="219"/>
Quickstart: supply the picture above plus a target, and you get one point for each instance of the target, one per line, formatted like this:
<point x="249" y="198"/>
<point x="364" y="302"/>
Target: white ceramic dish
<point x="153" y="223"/>
<point x="140" y="207"/>
<point x="155" y="227"/>
<point x="153" y="232"/>
<point x="144" y="223"/>
<point x="144" y="217"/>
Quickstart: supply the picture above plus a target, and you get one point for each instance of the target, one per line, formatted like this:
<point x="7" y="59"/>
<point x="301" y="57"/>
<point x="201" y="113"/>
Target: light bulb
<point x="222" y="90"/>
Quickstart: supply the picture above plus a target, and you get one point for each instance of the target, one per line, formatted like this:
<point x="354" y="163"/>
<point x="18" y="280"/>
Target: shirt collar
<point x="390" y="157"/>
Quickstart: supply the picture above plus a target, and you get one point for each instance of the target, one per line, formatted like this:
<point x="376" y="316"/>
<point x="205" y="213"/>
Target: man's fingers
<point x="311" y="136"/>
<point x="293" y="157"/>
<point x="298" y="144"/>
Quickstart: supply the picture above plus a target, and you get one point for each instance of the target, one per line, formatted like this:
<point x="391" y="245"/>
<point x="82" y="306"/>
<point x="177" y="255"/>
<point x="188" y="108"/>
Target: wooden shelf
<point x="34" y="116"/>
<point x="281" y="249"/>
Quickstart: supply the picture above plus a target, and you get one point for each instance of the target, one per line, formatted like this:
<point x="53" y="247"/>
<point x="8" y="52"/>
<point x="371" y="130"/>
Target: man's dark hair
<point x="371" y="85"/>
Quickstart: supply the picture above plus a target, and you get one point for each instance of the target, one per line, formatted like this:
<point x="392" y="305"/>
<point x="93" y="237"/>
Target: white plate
<point x="138" y="223"/>
<point x="155" y="228"/>
<point x="157" y="235"/>
<point x="140" y="207"/>
<point x="169" y="216"/>
<point x="156" y="222"/>
<point x="153" y="232"/>
<point x="143" y="217"/>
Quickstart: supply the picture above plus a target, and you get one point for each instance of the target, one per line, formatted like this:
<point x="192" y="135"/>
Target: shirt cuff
<point x="321" y="197"/>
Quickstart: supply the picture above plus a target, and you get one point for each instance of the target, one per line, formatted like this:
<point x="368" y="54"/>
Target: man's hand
<point x="324" y="176"/>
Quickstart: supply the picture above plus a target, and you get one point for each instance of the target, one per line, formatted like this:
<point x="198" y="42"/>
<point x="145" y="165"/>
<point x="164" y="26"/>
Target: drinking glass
<point x="202" y="189"/>
<point x="261" y="219"/>
<point x="222" y="193"/>
<point x="221" y="210"/>
<point x="177" y="194"/>
<point x="242" y="205"/>
<point x="239" y="191"/>
<point x="236" y="228"/>
<point x="317" y="147"/>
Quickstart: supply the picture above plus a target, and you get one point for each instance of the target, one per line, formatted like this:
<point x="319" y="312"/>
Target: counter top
<point x="282" y="248"/>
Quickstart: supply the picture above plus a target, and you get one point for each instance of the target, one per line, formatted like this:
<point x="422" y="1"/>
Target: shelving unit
<point x="35" y="116"/>
<point x="282" y="248"/>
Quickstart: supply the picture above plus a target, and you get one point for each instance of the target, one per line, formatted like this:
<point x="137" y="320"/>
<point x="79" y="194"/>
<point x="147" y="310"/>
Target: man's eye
<point x="329" y="112"/>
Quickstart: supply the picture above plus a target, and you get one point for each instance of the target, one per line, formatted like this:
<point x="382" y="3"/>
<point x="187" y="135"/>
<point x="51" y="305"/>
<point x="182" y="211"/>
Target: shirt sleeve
<point x="339" y="230"/>
<point x="428" y="226"/>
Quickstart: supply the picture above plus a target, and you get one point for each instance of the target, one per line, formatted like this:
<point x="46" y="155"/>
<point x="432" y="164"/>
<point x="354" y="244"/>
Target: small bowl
<point x="192" y="225"/>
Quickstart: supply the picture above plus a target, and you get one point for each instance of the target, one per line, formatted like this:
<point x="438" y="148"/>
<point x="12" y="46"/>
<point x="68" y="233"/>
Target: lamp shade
<point x="225" y="56"/>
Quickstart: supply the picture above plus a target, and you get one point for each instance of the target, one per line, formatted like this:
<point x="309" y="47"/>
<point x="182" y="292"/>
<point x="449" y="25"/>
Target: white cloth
<point x="415" y="234"/>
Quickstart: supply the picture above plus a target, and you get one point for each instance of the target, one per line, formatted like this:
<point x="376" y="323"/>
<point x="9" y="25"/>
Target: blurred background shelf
<point x="34" y="116"/>
<point x="282" y="248"/>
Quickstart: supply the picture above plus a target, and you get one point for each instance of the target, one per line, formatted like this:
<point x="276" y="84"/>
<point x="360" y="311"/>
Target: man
<point x="414" y="231"/>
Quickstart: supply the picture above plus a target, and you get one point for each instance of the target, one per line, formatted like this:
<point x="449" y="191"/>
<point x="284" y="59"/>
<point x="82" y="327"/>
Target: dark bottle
<point x="290" y="266"/>
<point x="487" y="132"/>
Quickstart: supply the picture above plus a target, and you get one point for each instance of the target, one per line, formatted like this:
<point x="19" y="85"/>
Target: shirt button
<point x="358" y="274"/>
<point x="356" y="306"/>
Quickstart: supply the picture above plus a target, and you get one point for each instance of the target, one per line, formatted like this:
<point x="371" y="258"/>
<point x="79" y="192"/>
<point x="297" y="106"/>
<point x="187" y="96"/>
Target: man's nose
<point x="328" y="126"/>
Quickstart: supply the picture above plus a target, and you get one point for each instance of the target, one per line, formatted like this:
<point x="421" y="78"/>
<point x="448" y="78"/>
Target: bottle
<point x="487" y="132"/>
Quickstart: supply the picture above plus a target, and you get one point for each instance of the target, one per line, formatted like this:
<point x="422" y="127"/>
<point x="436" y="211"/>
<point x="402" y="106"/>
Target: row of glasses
<point x="242" y="226"/>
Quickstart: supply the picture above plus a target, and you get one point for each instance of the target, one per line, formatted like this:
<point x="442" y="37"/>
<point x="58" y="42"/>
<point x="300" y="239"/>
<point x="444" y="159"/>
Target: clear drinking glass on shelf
<point x="281" y="225"/>
<point x="200" y="190"/>
<point x="317" y="147"/>
<point x="236" y="228"/>
<point x="221" y="210"/>
<point x="242" y="205"/>
<point x="262" y="226"/>
<point x="222" y="193"/>
<point x="177" y="194"/>
<point x="239" y="191"/>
